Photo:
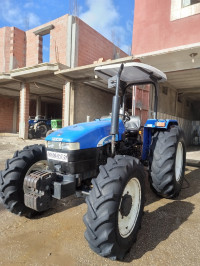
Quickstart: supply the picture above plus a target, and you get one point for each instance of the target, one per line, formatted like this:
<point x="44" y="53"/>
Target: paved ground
<point x="170" y="233"/>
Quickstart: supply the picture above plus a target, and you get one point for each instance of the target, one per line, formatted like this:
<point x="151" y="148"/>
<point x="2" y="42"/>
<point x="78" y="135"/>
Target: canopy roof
<point x="132" y="73"/>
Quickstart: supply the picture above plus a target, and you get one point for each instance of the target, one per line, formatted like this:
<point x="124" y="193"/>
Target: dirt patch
<point x="169" y="235"/>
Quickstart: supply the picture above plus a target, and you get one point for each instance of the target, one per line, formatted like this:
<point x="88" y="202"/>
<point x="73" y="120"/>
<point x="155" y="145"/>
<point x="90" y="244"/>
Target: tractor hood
<point x="89" y="135"/>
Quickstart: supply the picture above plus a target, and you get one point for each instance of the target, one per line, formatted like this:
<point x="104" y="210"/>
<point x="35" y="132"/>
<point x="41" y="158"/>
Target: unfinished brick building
<point x="29" y="86"/>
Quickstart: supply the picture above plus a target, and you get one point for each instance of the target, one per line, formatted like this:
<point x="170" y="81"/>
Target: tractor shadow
<point x="158" y="225"/>
<point x="60" y="206"/>
<point x="190" y="187"/>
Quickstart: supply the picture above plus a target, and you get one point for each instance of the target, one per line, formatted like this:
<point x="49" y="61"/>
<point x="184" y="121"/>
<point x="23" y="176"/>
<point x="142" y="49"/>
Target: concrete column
<point x="38" y="105"/>
<point x="68" y="104"/>
<point x="24" y="110"/>
<point x="71" y="117"/>
<point x="15" y="117"/>
<point x="72" y="42"/>
<point x="46" y="110"/>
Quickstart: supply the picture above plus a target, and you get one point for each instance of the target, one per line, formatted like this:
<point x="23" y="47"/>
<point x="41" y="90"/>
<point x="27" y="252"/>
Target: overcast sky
<point x="112" y="18"/>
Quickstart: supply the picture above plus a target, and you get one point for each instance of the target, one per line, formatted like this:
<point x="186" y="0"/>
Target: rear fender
<point x="154" y="125"/>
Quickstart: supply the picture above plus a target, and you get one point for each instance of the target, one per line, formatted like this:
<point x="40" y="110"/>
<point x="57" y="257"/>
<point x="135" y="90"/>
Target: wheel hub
<point x="126" y="205"/>
<point x="129" y="207"/>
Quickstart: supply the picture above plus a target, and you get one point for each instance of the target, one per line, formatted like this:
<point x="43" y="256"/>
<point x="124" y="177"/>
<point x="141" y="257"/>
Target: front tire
<point x="12" y="178"/>
<point x="167" y="162"/>
<point x="115" y="207"/>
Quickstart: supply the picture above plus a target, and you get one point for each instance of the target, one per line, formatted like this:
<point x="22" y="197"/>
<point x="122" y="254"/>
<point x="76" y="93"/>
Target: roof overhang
<point x="35" y="71"/>
<point x="4" y="77"/>
<point x="86" y="74"/>
<point x="182" y="74"/>
<point x="41" y="78"/>
<point x="173" y="59"/>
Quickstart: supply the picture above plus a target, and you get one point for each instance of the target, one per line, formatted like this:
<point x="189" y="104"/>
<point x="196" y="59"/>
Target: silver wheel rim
<point x="38" y="166"/>
<point x="127" y="223"/>
<point x="179" y="161"/>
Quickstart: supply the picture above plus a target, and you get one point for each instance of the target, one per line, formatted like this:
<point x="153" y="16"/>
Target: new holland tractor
<point x="101" y="161"/>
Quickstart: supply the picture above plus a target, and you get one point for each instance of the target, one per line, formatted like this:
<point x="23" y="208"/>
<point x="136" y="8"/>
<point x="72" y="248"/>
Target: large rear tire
<point x="167" y="162"/>
<point x="115" y="207"/>
<point x="31" y="158"/>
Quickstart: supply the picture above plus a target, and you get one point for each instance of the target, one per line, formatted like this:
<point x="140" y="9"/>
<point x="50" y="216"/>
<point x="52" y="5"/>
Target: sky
<point x="112" y="18"/>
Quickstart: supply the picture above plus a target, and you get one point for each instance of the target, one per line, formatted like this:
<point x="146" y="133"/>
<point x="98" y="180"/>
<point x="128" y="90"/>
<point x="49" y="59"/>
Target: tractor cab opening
<point x="122" y="77"/>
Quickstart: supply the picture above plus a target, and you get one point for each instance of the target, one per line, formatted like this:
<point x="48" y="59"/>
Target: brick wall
<point x="58" y="40"/>
<point x="58" y="43"/>
<point x="12" y="48"/>
<point x="6" y="113"/>
<point x="92" y="45"/>
<point x="17" y="48"/>
<point x="5" y="49"/>
<point x="32" y="49"/>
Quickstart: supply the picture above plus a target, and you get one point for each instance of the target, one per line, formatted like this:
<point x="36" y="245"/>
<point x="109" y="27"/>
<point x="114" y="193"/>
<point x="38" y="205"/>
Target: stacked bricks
<point x="5" y="49"/>
<point x="6" y="114"/>
<point x="33" y="49"/>
<point x="92" y="46"/>
<point x="58" y="43"/>
<point x="39" y="49"/>
<point x="17" y="48"/>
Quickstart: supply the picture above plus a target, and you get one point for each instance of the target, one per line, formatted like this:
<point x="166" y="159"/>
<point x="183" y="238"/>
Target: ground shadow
<point x="60" y="206"/>
<point x="193" y="148"/>
<point x="158" y="225"/>
<point x="190" y="187"/>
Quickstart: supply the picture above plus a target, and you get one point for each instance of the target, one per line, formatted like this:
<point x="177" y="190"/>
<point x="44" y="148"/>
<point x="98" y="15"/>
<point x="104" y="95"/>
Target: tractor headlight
<point x="57" y="145"/>
<point x="54" y="145"/>
<point x="70" y="146"/>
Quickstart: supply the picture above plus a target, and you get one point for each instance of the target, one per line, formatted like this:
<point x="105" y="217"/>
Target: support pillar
<point x="24" y="110"/>
<point x="68" y="104"/>
<point x="46" y="110"/>
<point x="38" y="105"/>
<point x="15" y="117"/>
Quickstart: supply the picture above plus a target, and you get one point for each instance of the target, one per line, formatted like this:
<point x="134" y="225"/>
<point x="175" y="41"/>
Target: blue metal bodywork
<point x="147" y="134"/>
<point x="97" y="133"/>
<point x="89" y="135"/>
<point x="32" y="122"/>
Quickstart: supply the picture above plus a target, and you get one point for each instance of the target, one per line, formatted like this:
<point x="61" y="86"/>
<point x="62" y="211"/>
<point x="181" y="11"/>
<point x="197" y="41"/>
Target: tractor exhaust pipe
<point x="115" y="111"/>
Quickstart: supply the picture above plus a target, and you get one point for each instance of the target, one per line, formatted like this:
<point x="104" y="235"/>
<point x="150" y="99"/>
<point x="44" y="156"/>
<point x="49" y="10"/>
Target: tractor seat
<point x="133" y="124"/>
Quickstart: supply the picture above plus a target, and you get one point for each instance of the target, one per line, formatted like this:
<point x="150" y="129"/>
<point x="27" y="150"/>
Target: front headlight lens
<point x="70" y="146"/>
<point x="54" y="145"/>
<point x="63" y="145"/>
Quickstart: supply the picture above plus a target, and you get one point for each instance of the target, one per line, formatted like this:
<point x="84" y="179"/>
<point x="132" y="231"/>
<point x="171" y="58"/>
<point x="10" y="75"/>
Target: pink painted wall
<point x="153" y="30"/>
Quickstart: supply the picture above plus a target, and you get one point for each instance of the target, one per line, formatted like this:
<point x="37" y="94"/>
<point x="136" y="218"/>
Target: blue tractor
<point x="102" y="161"/>
<point x="38" y="127"/>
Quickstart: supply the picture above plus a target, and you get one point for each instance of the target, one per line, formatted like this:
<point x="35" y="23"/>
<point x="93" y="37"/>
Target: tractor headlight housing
<point x="57" y="145"/>
<point x="70" y="146"/>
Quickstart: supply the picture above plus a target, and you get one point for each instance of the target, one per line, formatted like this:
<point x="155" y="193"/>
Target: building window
<point x="189" y="2"/>
<point x="46" y="48"/>
<point x="184" y="8"/>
